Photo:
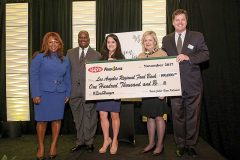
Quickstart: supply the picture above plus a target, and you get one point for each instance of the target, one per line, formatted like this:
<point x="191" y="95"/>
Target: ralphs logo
<point x="114" y="68"/>
<point x="95" y="69"/>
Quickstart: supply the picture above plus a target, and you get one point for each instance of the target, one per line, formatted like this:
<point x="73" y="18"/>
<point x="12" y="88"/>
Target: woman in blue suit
<point x="50" y="85"/>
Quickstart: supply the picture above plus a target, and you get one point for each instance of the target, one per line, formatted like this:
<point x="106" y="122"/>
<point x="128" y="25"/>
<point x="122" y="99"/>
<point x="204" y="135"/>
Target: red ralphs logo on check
<point x="95" y="69"/>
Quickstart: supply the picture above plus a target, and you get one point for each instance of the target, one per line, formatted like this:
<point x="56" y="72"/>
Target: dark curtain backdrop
<point x="2" y="63"/>
<point x="51" y="16"/>
<point x="172" y="5"/>
<point x="219" y="21"/>
<point x="117" y="16"/>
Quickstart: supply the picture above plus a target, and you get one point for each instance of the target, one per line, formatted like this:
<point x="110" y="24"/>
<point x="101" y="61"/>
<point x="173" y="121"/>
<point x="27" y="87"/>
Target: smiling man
<point x="84" y="112"/>
<point x="190" y="50"/>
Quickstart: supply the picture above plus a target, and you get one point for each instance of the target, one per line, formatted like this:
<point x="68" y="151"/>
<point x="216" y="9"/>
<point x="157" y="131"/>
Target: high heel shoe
<point x="40" y="158"/>
<point x="52" y="152"/>
<point x="149" y="150"/>
<point x="52" y="156"/>
<point x="104" y="148"/>
<point x="158" y="153"/>
<point x="114" y="150"/>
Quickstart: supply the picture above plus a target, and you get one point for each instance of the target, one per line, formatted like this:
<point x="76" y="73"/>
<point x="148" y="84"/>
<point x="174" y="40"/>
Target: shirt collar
<point x="182" y="34"/>
<point x="85" y="50"/>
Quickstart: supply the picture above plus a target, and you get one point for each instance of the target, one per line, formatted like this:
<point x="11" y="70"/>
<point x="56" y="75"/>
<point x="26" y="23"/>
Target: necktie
<point x="82" y="55"/>
<point x="179" y="44"/>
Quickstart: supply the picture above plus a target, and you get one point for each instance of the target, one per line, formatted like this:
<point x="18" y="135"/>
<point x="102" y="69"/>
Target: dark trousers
<point x="186" y="119"/>
<point x="85" y="118"/>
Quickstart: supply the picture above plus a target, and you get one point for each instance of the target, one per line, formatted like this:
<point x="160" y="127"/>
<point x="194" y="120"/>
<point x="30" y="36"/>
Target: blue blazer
<point x="48" y="73"/>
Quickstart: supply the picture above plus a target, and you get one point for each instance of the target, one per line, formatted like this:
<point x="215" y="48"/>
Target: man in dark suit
<point x="191" y="50"/>
<point x="84" y="112"/>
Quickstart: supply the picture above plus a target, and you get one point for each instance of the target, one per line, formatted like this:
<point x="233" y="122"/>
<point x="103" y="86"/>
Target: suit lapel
<point x="76" y="55"/>
<point x="186" y="42"/>
<point x="173" y="43"/>
<point x="88" y="53"/>
<point x="88" y="56"/>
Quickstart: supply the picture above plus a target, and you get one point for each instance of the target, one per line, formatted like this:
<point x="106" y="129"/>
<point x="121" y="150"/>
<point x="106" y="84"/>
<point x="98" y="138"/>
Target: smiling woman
<point x="53" y="44"/>
<point x="154" y="114"/>
<point x="111" y="50"/>
<point x="50" y="85"/>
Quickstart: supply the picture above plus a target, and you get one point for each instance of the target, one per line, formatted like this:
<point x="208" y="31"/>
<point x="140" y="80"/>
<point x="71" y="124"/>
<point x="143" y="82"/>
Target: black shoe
<point x="90" y="148"/>
<point x="151" y="149"/>
<point x="158" y="153"/>
<point x="191" y="152"/>
<point x="77" y="148"/>
<point x="180" y="151"/>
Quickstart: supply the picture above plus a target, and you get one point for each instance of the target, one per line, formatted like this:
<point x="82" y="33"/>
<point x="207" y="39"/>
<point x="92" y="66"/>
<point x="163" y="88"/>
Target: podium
<point x="11" y="129"/>
<point x="127" y="128"/>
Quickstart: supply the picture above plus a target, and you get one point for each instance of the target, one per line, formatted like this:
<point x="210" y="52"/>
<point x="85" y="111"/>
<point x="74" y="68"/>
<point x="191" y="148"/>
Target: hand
<point x="161" y="98"/>
<point x="182" y="57"/>
<point x="36" y="100"/>
<point x="66" y="99"/>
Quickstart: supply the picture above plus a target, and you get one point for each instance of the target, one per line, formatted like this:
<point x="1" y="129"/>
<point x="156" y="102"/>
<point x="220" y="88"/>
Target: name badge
<point x="190" y="46"/>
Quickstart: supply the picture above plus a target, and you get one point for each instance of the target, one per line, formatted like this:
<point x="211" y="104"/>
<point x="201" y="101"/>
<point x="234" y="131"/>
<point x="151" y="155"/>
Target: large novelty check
<point x="158" y="77"/>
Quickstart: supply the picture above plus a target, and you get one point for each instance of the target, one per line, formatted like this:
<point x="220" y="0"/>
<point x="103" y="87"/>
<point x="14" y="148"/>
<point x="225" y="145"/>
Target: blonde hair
<point x="153" y="34"/>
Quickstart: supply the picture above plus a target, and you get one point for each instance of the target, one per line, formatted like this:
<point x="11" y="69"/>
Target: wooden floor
<point x="24" y="148"/>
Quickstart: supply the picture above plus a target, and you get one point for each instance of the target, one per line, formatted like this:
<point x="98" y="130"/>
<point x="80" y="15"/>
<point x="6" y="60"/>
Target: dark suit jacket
<point x="78" y="70"/>
<point x="195" y="48"/>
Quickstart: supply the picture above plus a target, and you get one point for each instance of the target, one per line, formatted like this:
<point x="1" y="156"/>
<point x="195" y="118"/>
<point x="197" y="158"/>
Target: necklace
<point x="147" y="53"/>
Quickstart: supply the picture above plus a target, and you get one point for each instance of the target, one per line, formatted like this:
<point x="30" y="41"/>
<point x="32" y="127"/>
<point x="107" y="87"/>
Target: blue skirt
<point x="108" y="106"/>
<point x="51" y="106"/>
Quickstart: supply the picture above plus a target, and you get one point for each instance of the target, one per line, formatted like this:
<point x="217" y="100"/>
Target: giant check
<point x="158" y="77"/>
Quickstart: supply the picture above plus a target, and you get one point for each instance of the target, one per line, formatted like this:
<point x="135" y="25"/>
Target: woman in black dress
<point x="153" y="108"/>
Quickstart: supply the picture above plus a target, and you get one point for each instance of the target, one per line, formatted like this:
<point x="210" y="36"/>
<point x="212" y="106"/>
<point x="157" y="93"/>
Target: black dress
<point x="153" y="107"/>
